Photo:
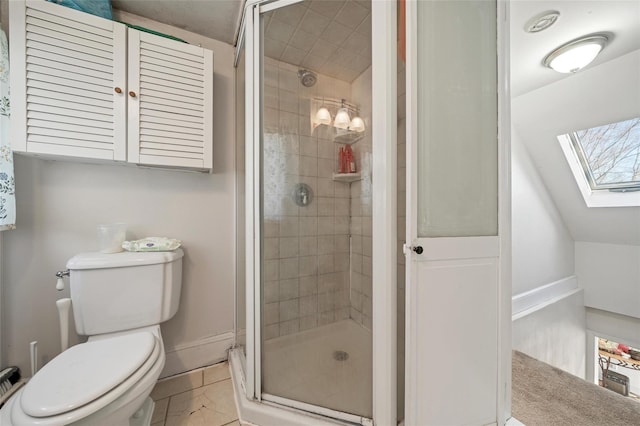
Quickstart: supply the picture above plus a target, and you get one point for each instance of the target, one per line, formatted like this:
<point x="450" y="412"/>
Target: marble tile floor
<point x="202" y="397"/>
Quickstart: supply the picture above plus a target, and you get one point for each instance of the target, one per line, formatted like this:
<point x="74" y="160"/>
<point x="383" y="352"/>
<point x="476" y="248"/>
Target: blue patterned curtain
<point x="7" y="182"/>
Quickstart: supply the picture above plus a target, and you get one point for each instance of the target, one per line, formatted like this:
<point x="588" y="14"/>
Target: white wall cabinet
<point x="75" y="95"/>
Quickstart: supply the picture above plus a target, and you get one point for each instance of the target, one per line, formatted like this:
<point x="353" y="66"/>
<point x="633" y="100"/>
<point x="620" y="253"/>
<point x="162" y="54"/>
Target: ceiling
<point x="620" y="18"/>
<point x="332" y="37"/>
<point x="217" y="19"/>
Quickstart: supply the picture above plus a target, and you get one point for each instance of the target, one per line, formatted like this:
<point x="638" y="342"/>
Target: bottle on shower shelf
<point x="351" y="161"/>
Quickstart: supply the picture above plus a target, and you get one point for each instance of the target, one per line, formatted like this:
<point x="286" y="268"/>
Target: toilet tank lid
<point x="119" y="260"/>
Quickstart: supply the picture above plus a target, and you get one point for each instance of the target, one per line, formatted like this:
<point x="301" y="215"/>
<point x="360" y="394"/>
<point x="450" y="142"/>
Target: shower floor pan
<point x="329" y="366"/>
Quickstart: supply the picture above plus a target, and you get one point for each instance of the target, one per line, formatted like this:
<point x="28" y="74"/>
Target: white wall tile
<point x="288" y="247"/>
<point x="308" y="226"/>
<point x="325" y="263"/>
<point x="271" y="270"/>
<point x="288" y="268"/>
<point x="271" y="291"/>
<point x="289" y="327"/>
<point x="288" y="310"/>
<point x="308" y="285"/>
<point x="271" y="248"/>
<point x="308" y="246"/>
<point x="271" y="313"/>
<point x="308" y="305"/>
<point x="288" y="289"/>
<point x="289" y="227"/>
<point x="308" y="266"/>
<point x="326" y="244"/>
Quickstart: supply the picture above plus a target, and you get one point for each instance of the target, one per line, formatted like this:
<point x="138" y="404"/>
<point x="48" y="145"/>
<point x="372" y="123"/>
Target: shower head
<point x="307" y="78"/>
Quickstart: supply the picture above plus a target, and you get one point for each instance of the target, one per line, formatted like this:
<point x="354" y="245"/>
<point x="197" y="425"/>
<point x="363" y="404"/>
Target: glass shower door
<point x="315" y="232"/>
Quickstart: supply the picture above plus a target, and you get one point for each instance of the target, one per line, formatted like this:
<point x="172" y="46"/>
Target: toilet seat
<point x="129" y="357"/>
<point x="88" y="371"/>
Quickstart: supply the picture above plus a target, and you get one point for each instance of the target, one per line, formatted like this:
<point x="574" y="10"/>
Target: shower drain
<point x="340" y="356"/>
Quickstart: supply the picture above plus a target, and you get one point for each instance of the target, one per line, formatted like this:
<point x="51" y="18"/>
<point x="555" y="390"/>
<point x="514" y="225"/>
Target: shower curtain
<point x="7" y="181"/>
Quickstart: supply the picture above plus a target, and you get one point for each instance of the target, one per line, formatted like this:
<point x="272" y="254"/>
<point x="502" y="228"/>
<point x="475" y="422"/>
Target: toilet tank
<point x="121" y="291"/>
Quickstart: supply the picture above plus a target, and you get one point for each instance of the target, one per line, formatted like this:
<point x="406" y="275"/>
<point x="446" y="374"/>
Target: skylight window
<point x="610" y="155"/>
<point x="606" y="160"/>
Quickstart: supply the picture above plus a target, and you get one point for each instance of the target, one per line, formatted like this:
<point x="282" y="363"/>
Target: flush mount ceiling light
<point x="575" y="55"/>
<point x="542" y="22"/>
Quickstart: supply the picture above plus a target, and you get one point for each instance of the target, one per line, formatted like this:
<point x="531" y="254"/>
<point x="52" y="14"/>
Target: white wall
<point x="555" y="334"/>
<point x="543" y="267"/>
<point x="60" y="203"/>
<point x="542" y="246"/>
<point x="602" y="94"/>
<point x="610" y="275"/>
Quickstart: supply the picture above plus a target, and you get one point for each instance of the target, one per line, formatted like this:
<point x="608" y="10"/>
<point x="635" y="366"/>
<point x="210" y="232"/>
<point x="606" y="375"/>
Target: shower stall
<point x="323" y="181"/>
<point x="305" y="328"/>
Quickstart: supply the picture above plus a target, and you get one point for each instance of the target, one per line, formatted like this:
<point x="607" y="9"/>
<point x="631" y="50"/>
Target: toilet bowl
<point x="118" y="301"/>
<point x="102" y="382"/>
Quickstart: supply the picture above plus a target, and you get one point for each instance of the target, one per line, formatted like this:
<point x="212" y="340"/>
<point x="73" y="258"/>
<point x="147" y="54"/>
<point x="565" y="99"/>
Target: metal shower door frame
<point x="384" y="131"/>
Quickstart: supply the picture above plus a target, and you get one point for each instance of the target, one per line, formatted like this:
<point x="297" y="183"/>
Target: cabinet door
<point x="170" y="103"/>
<point x="67" y="69"/>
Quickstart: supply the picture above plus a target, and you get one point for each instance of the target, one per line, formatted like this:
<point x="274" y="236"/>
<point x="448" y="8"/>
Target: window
<point x="605" y="161"/>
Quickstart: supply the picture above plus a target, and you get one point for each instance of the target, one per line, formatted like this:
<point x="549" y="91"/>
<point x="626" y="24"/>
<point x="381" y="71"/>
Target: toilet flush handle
<point x="60" y="280"/>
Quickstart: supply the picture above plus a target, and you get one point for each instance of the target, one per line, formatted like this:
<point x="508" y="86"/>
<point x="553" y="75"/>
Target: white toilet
<point x="118" y="300"/>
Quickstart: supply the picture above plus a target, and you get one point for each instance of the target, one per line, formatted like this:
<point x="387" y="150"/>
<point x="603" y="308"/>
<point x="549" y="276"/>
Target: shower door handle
<point x="406" y="249"/>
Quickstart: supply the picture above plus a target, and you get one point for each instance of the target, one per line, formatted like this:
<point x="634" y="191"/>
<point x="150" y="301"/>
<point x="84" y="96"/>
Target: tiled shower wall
<point x="361" y="210"/>
<point x="306" y="249"/>
<point x="402" y="199"/>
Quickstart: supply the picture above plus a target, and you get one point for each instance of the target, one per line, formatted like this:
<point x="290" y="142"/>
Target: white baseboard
<point x="526" y="303"/>
<point x="200" y="353"/>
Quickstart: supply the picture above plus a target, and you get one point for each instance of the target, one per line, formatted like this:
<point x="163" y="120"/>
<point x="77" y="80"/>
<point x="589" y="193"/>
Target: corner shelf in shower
<point x="341" y="136"/>
<point x="347" y="177"/>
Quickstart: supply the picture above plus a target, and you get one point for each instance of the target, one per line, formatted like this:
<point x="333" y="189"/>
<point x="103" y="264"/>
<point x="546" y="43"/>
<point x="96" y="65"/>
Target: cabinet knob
<point x="132" y="94"/>
<point x="117" y="90"/>
<point x="418" y="249"/>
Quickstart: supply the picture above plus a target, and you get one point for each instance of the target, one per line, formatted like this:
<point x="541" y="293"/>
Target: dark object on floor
<point x="544" y="395"/>
<point x="619" y="383"/>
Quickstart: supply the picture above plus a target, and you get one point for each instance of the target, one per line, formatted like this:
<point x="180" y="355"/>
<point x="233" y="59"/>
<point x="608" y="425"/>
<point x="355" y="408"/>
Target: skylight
<point x="610" y="155"/>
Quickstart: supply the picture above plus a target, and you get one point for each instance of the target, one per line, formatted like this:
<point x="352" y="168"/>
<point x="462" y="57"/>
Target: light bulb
<point x="323" y="116"/>
<point x="357" y="125"/>
<point x="342" y="120"/>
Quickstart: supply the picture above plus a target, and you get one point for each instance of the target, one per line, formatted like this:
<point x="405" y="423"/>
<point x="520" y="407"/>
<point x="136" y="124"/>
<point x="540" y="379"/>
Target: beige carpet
<point x="544" y="395"/>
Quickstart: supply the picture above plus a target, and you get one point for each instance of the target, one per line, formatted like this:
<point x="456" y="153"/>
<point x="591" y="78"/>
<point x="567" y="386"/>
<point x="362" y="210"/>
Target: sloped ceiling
<point x="332" y="37"/>
<point x="619" y="18"/>
<point x="603" y="94"/>
<point x="546" y="104"/>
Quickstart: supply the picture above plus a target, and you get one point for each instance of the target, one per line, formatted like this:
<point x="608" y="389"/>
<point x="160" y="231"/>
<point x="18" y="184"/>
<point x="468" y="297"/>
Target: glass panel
<point x="316" y="239"/>
<point x="457" y="119"/>
<point x="241" y="317"/>
<point x="610" y="154"/>
<point x="402" y="221"/>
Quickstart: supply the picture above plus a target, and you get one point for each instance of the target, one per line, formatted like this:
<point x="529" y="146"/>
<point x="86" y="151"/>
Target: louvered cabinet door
<point x="67" y="68"/>
<point x="170" y="103"/>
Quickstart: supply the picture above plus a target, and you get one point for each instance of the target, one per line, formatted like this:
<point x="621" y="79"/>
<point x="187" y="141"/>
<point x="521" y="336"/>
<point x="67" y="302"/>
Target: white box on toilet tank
<point x="121" y="291"/>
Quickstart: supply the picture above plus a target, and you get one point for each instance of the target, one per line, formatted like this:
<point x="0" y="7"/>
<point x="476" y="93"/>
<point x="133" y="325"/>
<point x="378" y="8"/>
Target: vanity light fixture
<point x="577" y="54"/>
<point x="323" y="116"/>
<point x="357" y="125"/>
<point x="342" y="119"/>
